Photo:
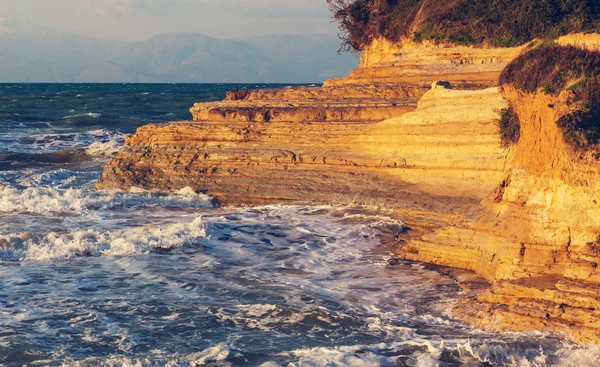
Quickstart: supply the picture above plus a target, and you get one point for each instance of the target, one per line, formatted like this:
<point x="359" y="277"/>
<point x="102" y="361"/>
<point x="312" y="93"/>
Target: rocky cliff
<point x="535" y="237"/>
<point x="244" y="158"/>
<point x="407" y="62"/>
<point x="525" y="218"/>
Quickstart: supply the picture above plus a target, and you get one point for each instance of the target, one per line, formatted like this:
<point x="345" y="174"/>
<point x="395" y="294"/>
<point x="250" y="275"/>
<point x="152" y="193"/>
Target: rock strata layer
<point x="405" y="62"/>
<point x="328" y="143"/>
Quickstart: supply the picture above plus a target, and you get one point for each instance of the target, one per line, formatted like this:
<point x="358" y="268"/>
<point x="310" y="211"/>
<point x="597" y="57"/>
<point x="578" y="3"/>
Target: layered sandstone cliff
<point x="402" y="163"/>
<point x="535" y="237"/>
<point x="525" y="218"/>
<point x="327" y="144"/>
<point x="406" y="62"/>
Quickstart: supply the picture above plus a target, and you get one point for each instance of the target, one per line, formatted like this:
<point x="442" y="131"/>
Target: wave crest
<point x="88" y="114"/>
<point x="57" y="246"/>
<point x="76" y="201"/>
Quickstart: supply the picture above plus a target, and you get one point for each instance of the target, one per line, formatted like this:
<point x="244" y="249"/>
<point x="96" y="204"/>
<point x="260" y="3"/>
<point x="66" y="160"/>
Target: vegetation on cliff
<point x="509" y="127"/>
<point x="553" y="69"/>
<point x="501" y="23"/>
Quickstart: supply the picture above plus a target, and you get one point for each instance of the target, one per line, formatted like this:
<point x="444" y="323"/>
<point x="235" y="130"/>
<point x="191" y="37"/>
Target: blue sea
<point x="141" y="278"/>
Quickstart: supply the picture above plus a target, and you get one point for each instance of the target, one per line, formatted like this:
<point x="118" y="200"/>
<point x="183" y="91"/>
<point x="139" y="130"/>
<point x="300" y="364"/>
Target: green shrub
<point x="552" y="67"/>
<point x="580" y="129"/>
<point x="509" y="127"/>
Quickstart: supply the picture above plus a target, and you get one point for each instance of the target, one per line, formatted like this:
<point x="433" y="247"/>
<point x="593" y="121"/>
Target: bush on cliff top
<point x="501" y="23"/>
<point x="552" y="69"/>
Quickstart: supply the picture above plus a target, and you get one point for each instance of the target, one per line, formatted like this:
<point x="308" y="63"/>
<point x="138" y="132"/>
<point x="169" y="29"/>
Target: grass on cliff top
<point x="552" y="69"/>
<point x="502" y="23"/>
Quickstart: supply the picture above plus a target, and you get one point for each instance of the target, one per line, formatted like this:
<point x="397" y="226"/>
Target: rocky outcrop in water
<point x="327" y="144"/>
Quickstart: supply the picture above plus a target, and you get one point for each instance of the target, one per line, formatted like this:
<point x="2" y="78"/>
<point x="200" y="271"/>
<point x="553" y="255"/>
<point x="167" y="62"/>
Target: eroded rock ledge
<point x="526" y="219"/>
<point x="327" y="144"/>
<point x="426" y="159"/>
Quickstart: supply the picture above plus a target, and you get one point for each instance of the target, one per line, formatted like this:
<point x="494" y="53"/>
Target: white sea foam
<point x="322" y="278"/>
<point x="426" y="353"/>
<point x="107" y="143"/>
<point x="260" y="316"/>
<point x="75" y="201"/>
<point x="97" y="142"/>
<point x="217" y="354"/>
<point x="104" y="149"/>
<point x="56" y="246"/>
<point x="414" y="353"/>
<point x="359" y="356"/>
<point x="88" y="114"/>
<point x="576" y="356"/>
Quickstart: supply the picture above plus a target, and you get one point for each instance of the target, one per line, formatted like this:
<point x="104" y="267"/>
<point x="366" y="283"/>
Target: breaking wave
<point x="46" y="200"/>
<point x="104" y="149"/>
<point x="60" y="246"/>
<point x="100" y="142"/>
<point x="419" y="352"/>
<point x="213" y="355"/>
<point x="88" y="114"/>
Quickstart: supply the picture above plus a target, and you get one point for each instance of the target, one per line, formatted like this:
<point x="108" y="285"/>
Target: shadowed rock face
<point x="526" y="219"/>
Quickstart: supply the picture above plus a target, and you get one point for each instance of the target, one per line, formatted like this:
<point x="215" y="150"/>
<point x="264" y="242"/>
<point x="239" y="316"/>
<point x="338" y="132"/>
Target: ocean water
<point x="146" y="279"/>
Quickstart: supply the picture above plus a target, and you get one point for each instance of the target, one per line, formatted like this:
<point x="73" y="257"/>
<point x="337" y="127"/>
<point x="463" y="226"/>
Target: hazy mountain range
<point x="35" y="55"/>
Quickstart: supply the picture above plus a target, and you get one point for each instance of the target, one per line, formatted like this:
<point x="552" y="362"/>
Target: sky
<point x="138" y="20"/>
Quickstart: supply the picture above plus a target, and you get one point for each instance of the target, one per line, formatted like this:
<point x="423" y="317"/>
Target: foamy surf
<point x="61" y="246"/>
<point x="77" y="201"/>
<point x="239" y="286"/>
<point x="100" y="142"/>
<point x="380" y="355"/>
<point x="87" y="114"/>
<point x="106" y="149"/>
<point x="216" y="355"/>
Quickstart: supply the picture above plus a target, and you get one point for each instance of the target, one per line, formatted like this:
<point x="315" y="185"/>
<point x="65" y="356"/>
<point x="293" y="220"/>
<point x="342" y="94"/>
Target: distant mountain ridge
<point x="54" y="56"/>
